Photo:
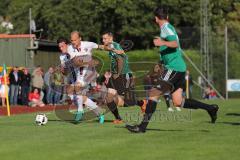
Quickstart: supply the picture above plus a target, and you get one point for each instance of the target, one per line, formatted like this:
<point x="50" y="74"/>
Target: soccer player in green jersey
<point x="175" y="68"/>
<point x="122" y="78"/>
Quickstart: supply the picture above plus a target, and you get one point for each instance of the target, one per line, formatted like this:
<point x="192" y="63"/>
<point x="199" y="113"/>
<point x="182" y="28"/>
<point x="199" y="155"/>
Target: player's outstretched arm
<point x="108" y="48"/>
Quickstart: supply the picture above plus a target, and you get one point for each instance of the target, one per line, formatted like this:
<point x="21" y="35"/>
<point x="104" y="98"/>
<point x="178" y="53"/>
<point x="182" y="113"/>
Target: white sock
<point x="93" y="106"/>
<point x="79" y="103"/>
<point x="90" y="104"/>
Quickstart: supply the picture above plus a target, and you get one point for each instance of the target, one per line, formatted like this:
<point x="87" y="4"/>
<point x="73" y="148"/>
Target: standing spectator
<point x="15" y="80"/>
<point x="25" y="86"/>
<point x="35" y="99"/>
<point x="58" y="81"/>
<point x="64" y="92"/>
<point x="7" y="25"/>
<point x="48" y="80"/>
<point x="3" y="89"/>
<point x="37" y="80"/>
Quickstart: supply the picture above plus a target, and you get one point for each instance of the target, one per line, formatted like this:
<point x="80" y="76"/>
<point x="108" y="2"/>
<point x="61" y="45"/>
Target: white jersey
<point x="63" y="59"/>
<point x="86" y="75"/>
<point x="84" y="51"/>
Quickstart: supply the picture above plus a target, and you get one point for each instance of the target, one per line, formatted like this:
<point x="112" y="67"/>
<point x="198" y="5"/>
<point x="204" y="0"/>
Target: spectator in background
<point x="3" y="89"/>
<point x="207" y="91"/>
<point x="212" y="94"/>
<point x="7" y="25"/>
<point x="15" y="80"/>
<point x="48" y="80"/>
<point x="64" y="92"/>
<point x="37" y="80"/>
<point x="58" y="88"/>
<point x="35" y="99"/>
<point x="25" y="86"/>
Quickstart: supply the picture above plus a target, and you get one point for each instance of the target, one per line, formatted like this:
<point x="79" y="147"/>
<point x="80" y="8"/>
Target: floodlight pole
<point x="226" y="60"/>
<point x="30" y="18"/>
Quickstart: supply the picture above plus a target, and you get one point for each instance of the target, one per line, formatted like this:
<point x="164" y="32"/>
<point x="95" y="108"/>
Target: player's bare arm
<point x="160" y="42"/>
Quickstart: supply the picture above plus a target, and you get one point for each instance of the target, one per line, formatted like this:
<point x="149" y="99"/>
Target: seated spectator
<point x="34" y="99"/>
<point x="207" y="92"/>
<point x="37" y="80"/>
<point x="212" y="94"/>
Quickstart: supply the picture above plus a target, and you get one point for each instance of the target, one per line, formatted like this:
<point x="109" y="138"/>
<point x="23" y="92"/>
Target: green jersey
<point x="171" y="57"/>
<point x="114" y="56"/>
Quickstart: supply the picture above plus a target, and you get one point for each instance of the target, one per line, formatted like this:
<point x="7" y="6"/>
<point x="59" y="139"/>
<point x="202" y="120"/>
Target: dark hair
<point x="62" y="39"/>
<point x="38" y="89"/>
<point x="108" y="33"/>
<point x="161" y="12"/>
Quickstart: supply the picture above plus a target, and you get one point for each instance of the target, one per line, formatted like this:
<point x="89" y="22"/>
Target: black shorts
<point x="121" y="84"/>
<point x="177" y="79"/>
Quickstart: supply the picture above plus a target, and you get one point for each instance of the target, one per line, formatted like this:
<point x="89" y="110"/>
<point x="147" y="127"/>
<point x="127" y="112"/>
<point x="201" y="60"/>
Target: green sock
<point x="78" y="116"/>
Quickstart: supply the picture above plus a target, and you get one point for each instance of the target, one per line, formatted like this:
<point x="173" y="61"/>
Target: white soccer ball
<point x="41" y="119"/>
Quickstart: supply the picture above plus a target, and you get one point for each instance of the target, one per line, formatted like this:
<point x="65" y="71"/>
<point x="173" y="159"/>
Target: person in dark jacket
<point x="15" y="80"/>
<point x="25" y="86"/>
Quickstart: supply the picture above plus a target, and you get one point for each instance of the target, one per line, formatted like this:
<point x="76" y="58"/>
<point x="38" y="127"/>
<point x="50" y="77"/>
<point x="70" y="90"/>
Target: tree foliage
<point x="127" y="19"/>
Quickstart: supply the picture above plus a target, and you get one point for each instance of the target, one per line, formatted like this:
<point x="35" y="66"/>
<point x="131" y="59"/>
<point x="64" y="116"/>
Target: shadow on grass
<point x="232" y="114"/>
<point x="74" y="122"/>
<point x="155" y="129"/>
<point x="166" y="130"/>
<point x="58" y="120"/>
<point x="96" y="121"/>
<point x="231" y="123"/>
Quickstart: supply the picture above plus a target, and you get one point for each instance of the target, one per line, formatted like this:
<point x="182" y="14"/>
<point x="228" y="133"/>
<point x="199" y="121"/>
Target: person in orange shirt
<point x="35" y="99"/>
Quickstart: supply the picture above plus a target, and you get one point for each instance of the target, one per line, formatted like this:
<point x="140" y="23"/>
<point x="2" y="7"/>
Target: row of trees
<point x="127" y="19"/>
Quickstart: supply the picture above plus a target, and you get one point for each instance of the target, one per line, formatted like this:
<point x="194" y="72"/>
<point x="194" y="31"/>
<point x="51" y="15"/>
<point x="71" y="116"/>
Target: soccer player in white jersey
<point x="75" y="80"/>
<point x="82" y="51"/>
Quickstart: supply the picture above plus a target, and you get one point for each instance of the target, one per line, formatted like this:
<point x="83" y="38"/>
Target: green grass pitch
<point x="186" y="135"/>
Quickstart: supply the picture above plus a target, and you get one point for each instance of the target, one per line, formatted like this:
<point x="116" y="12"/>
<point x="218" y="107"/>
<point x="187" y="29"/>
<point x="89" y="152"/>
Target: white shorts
<point x="87" y="76"/>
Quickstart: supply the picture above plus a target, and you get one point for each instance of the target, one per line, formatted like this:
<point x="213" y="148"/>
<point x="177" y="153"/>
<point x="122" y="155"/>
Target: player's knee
<point x="119" y="101"/>
<point x="177" y="103"/>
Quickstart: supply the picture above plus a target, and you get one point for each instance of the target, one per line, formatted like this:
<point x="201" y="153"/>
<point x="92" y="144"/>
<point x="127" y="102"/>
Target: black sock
<point x="113" y="108"/>
<point x="167" y="99"/>
<point x="150" y="109"/>
<point x="194" y="104"/>
<point x="138" y="103"/>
